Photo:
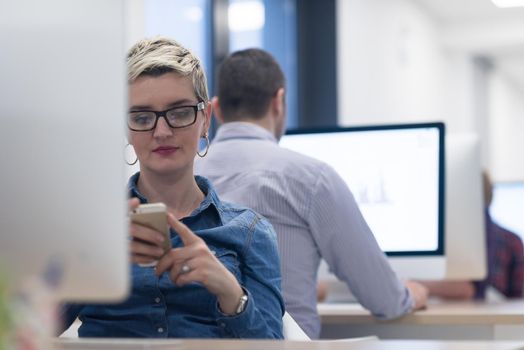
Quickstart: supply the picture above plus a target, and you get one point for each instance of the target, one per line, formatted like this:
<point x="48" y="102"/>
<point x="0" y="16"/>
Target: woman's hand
<point x="194" y="262"/>
<point x="146" y="243"/>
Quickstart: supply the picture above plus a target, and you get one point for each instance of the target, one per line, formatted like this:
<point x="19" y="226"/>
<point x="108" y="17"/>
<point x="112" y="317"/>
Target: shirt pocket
<point x="228" y="258"/>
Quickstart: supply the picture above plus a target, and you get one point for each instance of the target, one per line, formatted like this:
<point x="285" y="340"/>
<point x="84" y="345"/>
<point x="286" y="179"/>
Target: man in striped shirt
<point x="309" y="205"/>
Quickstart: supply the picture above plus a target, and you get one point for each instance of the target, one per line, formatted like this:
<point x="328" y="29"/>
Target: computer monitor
<point x="396" y="173"/>
<point x="63" y="85"/>
<point x="465" y="225"/>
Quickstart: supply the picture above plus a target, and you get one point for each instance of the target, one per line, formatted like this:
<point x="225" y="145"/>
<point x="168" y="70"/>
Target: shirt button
<point x="213" y="252"/>
<point x="157" y="300"/>
<point x="222" y="324"/>
<point x="160" y="330"/>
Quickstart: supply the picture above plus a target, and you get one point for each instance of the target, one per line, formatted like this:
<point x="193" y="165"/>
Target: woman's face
<point x="165" y="150"/>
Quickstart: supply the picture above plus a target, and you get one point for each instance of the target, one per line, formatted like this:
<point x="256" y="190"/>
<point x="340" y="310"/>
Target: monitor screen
<point x="506" y="207"/>
<point x="396" y="174"/>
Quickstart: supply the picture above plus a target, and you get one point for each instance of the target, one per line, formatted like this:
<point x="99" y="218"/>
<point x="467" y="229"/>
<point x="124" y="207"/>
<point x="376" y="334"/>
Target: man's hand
<point x="419" y="293"/>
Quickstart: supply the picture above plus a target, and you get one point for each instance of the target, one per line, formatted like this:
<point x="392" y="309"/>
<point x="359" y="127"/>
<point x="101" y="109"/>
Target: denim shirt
<point x="242" y="240"/>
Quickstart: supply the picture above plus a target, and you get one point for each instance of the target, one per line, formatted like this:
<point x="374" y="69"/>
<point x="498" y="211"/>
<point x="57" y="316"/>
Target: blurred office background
<point x="354" y="62"/>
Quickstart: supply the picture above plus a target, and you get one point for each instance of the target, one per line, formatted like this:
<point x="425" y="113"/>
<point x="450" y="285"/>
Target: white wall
<point x="135" y="21"/>
<point x="398" y="64"/>
<point x="392" y="68"/>
<point x="506" y="128"/>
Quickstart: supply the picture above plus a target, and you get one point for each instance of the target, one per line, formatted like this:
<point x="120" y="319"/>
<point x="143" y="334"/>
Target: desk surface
<point x="437" y="313"/>
<point x="125" y="344"/>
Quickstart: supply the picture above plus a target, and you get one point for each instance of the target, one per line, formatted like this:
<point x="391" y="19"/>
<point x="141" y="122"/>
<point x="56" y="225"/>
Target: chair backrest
<point x="292" y="330"/>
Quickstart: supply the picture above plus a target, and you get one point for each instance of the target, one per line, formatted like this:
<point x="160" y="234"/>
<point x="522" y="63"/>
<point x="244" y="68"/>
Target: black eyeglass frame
<point x="200" y="106"/>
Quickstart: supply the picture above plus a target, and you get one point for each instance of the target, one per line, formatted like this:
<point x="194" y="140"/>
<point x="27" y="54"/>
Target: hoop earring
<point x="125" y="160"/>
<point x="206" y="137"/>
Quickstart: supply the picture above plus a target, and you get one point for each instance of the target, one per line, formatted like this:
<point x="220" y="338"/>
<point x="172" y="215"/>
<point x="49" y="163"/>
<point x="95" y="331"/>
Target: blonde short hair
<point x="158" y="55"/>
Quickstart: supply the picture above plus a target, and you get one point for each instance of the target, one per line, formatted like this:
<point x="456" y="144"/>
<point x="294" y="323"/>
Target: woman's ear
<point x="207" y="122"/>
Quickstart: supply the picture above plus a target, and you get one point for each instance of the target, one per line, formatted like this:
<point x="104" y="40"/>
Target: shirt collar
<point x="243" y="130"/>
<point x="211" y="200"/>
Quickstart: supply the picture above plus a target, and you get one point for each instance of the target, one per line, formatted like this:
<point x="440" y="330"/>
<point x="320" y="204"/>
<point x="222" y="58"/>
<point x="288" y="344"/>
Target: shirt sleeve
<point x="350" y="249"/>
<point x="480" y="289"/>
<point x="261" y="279"/>
<point x="516" y="274"/>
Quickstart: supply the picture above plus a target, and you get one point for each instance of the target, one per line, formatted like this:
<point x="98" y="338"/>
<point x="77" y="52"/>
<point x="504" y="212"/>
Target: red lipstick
<point x="165" y="150"/>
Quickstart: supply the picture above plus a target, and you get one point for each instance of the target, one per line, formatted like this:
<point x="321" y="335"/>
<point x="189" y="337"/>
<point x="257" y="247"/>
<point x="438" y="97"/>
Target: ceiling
<point x="469" y="10"/>
<point x="479" y="27"/>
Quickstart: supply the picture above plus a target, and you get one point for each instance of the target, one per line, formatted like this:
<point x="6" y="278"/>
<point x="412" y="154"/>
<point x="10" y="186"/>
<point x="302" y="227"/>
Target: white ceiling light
<point x="508" y="3"/>
<point x="246" y="15"/>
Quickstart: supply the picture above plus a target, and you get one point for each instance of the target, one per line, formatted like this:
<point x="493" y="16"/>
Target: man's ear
<point x="216" y="107"/>
<point x="279" y="104"/>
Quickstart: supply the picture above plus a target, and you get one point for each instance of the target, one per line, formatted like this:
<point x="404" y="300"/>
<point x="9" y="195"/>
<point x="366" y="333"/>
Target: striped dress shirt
<point x="315" y="216"/>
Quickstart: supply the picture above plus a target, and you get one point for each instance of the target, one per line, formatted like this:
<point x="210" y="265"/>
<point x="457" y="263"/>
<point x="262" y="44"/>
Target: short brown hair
<point x="247" y="80"/>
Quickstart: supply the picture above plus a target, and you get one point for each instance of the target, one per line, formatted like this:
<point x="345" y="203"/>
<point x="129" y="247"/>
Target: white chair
<point x="72" y="331"/>
<point x="292" y="330"/>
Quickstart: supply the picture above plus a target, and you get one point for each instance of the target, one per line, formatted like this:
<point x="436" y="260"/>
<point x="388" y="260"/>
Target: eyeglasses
<point x="178" y="117"/>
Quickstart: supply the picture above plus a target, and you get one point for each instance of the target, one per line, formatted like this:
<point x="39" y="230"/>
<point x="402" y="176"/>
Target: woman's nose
<point x="162" y="129"/>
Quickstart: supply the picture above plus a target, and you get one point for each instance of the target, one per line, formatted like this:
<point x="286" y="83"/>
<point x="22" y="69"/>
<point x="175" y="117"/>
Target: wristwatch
<point x="242" y="304"/>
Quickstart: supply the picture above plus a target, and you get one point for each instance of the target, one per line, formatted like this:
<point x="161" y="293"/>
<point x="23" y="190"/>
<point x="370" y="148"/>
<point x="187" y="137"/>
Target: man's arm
<point x="516" y="273"/>
<point x="352" y="253"/>
<point x="450" y="289"/>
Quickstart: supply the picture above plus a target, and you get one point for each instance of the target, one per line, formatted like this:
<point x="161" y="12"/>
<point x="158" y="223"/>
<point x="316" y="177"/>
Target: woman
<point x="222" y="276"/>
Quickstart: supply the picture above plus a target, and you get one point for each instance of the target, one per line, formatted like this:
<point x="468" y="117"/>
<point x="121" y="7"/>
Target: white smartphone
<point x="153" y="215"/>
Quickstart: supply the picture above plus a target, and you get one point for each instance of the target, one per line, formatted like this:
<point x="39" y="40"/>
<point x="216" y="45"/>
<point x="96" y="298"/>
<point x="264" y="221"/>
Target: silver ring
<point x="185" y="268"/>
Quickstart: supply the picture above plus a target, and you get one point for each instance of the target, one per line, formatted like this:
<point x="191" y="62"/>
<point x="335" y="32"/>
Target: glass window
<point x="269" y="25"/>
<point x="186" y="21"/>
<point x="506" y="208"/>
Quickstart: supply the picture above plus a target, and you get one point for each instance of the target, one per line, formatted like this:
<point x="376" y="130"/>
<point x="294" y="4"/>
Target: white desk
<point x="451" y="321"/>
<point x="125" y="344"/>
